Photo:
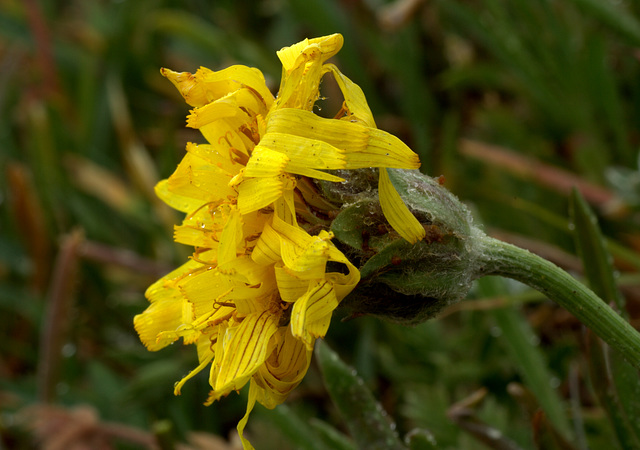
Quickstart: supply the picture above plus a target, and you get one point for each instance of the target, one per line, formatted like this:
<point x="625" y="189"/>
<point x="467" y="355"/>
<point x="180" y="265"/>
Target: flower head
<point x="256" y="293"/>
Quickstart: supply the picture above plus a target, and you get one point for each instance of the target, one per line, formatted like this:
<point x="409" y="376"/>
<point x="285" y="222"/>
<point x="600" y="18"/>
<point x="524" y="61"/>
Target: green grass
<point x="89" y="125"/>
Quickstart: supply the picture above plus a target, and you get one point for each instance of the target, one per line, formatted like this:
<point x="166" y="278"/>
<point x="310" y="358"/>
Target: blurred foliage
<point x="514" y="103"/>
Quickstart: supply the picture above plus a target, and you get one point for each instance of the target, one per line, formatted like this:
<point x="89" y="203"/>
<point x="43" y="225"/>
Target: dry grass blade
<point x="554" y="178"/>
<point x="59" y="303"/>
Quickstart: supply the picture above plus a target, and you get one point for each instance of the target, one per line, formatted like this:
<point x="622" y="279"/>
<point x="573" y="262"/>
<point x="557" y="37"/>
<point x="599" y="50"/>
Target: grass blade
<point x="615" y="382"/>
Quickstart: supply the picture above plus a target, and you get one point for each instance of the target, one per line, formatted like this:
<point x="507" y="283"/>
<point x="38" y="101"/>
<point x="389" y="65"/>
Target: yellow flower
<point x="256" y="293"/>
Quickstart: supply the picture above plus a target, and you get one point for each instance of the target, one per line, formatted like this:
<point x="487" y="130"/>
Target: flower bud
<point x="403" y="282"/>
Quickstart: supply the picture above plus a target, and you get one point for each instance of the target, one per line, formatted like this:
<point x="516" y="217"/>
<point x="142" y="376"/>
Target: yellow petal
<point x="166" y="287"/>
<point x="397" y="212"/>
<point x="202" y="228"/>
<point x="245" y="349"/>
<point x="158" y="317"/>
<point x="254" y="222"/>
<point x="242" y="103"/>
<point x="230" y="238"/>
<point x="204" y="345"/>
<point x="267" y="249"/>
<point x="203" y="363"/>
<point x="253" y="390"/>
<point x="218" y="155"/>
<point x="285" y="207"/>
<point x="306" y="262"/>
<point x="223" y="135"/>
<point x="245" y="270"/>
<point x="240" y="76"/>
<point x="344" y="283"/>
<point x="176" y="201"/>
<point x="354" y="98"/>
<point x="196" y="235"/>
<point x="304" y="152"/>
<point x="206" y="85"/>
<point x="300" y="87"/>
<point x="302" y="71"/>
<point x="290" y="287"/>
<point x="257" y="193"/>
<point x="192" y="91"/>
<point x="327" y="45"/>
<point x="265" y="162"/>
<point x="311" y="314"/>
<point x="305" y="155"/>
<point x="283" y="370"/>
<point x="196" y="178"/>
<point x="363" y="146"/>
<point x="203" y="289"/>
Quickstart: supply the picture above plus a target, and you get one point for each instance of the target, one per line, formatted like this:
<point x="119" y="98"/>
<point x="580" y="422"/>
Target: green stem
<point x="500" y="258"/>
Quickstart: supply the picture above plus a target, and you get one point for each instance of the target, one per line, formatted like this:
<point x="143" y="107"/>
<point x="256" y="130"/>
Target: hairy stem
<point x="500" y="258"/>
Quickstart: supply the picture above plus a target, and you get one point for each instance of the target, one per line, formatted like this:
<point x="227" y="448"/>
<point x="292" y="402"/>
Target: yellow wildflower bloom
<point x="256" y="294"/>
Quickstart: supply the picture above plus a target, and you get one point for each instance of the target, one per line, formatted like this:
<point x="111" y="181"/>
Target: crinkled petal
<point x="397" y="212"/>
<point x="205" y="289"/>
<point x="245" y="270"/>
